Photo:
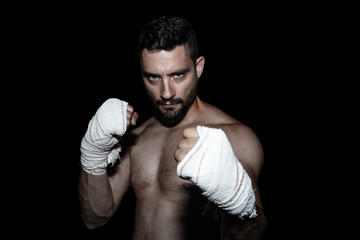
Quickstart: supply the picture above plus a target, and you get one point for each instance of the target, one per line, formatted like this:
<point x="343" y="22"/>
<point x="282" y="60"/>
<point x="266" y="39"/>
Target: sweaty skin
<point x="169" y="207"/>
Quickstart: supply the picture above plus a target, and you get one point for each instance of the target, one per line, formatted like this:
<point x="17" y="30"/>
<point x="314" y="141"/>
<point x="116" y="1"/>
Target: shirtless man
<point x="170" y="203"/>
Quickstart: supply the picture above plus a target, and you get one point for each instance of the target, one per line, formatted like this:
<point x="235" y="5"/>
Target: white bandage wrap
<point x="212" y="165"/>
<point x="97" y="146"/>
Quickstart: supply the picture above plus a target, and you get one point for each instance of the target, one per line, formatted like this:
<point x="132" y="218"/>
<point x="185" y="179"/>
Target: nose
<point x="167" y="91"/>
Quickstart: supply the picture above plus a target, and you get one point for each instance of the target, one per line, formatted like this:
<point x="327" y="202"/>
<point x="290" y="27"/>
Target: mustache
<point x="171" y="101"/>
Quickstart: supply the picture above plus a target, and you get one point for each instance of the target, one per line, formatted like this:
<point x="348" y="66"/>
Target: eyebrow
<point x="177" y="72"/>
<point x="180" y="71"/>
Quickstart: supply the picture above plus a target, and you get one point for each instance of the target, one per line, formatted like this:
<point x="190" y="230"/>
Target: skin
<point x="169" y="207"/>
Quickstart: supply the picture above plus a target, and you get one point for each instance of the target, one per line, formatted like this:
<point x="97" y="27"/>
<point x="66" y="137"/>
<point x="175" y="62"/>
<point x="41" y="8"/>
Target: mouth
<point x="168" y="105"/>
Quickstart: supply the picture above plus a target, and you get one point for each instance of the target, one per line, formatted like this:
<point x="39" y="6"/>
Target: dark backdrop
<point x="259" y="69"/>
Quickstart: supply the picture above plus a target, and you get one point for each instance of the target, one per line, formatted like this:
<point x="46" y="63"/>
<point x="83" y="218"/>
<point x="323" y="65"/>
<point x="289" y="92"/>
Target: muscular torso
<point x="167" y="207"/>
<point x="162" y="208"/>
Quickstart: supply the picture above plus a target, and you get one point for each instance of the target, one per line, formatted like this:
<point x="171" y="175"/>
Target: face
<point x="170" y="79"/>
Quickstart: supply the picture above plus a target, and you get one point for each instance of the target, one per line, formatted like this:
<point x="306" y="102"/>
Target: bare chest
<point x="153" y="165"/>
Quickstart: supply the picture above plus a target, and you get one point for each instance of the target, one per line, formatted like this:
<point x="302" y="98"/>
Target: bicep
<point x="248" y="149"/>
<point x="120" y="179"/>
<point x="249" y="152"/>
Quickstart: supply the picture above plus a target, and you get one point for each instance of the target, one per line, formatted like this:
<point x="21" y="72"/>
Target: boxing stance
<point x="189" y="153"/>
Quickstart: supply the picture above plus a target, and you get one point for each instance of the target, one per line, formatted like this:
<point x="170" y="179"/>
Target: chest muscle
<point x="153" y="165"/>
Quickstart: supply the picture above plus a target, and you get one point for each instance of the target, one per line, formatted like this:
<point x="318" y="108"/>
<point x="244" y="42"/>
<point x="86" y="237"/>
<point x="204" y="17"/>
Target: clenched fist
<point x="99" y="145"/>
<point x="191" y="136"/>
<point x="206" y="158"/>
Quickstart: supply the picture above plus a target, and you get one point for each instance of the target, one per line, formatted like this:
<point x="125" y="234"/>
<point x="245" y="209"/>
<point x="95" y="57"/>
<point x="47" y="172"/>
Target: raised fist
<point x="191" y="136"/>
<point x="105" y="129"/>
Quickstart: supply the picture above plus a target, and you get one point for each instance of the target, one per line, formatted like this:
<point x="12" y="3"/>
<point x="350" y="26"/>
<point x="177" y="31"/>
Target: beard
<point x="171" y="116"/>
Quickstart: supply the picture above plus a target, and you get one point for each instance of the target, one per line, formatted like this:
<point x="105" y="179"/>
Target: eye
<point x="178" y="76"/>
<point x="153" y="78"/>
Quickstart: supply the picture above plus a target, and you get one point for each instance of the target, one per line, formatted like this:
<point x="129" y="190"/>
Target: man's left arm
<point x="225" y="164"/>
<point x="233" y="227"/>
<point x="248" y="150"/>
<point x="246" y="229"/>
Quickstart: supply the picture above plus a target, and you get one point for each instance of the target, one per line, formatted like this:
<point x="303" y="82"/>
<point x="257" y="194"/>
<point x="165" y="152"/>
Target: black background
<point x="263" y="66"/>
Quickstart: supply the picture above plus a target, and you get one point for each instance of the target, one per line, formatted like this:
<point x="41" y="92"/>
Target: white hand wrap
<point x="212" y="165"/>
<point x="97" y="146"/>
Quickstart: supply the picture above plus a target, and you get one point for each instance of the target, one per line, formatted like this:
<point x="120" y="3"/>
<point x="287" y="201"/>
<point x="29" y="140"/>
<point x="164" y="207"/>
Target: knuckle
<point x="190" y="132"/>
<point x="187" y="132"/>
<point x="177" y="154"/>
<point x="130" y="108"/>
<point x="180" y="154"/>
<point x="182" y="144"/>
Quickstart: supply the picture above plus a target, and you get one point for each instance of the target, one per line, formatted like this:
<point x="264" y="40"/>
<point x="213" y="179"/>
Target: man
<point x="189" y="163"/>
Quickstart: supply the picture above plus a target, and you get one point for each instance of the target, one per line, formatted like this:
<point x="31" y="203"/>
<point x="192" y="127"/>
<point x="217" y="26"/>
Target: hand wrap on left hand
<point x="212" y="165"/>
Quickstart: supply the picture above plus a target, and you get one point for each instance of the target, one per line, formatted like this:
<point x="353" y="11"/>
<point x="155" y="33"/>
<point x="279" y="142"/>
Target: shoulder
<point x="246" y="145"/>
<point x="244" y="141"/>
<point x="212" y="115"/>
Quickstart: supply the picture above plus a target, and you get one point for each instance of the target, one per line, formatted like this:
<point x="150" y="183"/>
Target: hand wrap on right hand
<point x="97" y="146"/>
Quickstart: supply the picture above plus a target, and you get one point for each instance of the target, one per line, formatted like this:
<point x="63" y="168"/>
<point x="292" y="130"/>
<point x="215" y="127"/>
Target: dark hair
<point x="166" y="33"/>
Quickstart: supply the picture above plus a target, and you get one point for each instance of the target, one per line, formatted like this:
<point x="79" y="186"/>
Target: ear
<point x="200" y="65"/>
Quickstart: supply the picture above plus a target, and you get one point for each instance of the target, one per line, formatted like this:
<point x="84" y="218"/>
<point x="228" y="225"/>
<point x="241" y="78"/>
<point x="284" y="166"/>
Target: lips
<point x="168" y="105"/>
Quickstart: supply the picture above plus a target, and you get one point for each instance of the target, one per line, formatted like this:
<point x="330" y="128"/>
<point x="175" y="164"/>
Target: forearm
<point x="96" y="199"/>
<point x="100" y="195"/>
<point x="233" y="227"/>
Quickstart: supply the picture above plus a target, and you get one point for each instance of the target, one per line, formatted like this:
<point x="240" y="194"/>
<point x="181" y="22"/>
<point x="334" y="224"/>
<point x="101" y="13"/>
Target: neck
<point x="193" y="113"/>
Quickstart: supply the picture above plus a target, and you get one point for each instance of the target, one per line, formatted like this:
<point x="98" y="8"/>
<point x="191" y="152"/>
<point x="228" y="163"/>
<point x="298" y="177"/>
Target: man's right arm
<point x="101" y="195"/>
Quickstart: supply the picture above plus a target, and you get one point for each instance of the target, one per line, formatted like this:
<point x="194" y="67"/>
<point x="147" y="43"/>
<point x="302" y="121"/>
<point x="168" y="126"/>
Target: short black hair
<point x="167" y="32"/>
